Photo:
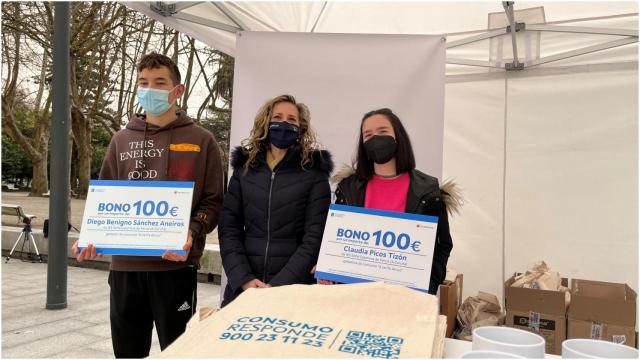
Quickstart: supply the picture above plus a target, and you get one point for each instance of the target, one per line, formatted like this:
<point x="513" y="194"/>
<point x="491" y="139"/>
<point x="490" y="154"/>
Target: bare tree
<point x="14" y="100"/>
<point x="107" y="40"/>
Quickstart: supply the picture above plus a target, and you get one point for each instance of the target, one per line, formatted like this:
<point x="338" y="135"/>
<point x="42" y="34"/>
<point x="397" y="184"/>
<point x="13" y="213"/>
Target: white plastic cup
<point x="510" y="340"/>
<point x="489" y="355"/>
<point x="596" y="349"/>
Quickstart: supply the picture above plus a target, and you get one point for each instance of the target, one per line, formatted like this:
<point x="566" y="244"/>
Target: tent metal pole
<point x="470" y="62"/>
<point x="550" y="28"/>
<point x="207" y="22"/>
<point x="225" y="10"/>
<point x="593" y="18"/>
<point x="315" y="24"/>
<point x="508" y="9"/>
<point x="582" y="30"/>
<point x="583" y="51"/>
<point x="505" y="143"/>
<point x="183" y="5"/>
<point x="475" y="38"/>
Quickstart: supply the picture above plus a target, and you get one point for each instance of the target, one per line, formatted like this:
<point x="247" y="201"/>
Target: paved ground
<point x="79" y="331"/>
<point x="39" y="206"/>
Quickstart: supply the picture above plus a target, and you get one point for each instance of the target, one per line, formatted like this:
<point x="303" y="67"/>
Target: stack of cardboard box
<point x="597" y="310"/>
<point x="540" y="311"/>
<point x="603" y="311"/>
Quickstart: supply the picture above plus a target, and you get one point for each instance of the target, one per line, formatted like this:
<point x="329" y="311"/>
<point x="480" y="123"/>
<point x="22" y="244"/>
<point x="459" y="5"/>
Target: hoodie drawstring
<point x="144" y="145"/>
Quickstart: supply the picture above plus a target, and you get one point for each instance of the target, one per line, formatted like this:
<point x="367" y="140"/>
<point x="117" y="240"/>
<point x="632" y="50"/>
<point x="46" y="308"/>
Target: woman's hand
<point x="320" y="281"/>
<point x="255" y="283"/>
<point x="326" y="282"/>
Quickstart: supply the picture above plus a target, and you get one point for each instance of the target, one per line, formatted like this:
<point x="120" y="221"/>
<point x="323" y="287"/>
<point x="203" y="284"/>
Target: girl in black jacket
<point x="385" y="178"/>
<point x="274" y="211"/>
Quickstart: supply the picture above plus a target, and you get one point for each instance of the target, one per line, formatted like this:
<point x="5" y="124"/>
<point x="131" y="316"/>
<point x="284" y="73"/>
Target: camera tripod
<point x="26" y="236"/>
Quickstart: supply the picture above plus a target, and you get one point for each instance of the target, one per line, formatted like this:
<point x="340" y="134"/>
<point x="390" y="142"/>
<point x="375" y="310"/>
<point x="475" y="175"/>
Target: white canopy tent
<point x="544" y="146"/>
<point x="216" y="23"/>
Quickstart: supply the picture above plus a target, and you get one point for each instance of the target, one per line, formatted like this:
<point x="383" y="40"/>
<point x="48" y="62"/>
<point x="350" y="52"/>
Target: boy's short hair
<point x="154" y="60"/>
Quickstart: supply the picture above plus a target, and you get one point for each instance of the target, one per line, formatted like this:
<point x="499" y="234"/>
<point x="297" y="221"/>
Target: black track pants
<point x="138" y="299"/>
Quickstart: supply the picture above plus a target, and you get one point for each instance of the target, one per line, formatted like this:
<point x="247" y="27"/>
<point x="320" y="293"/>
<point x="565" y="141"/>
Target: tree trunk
<point x="82" y="137"/>
<point x="41" y="82"/>
<point x="134" y="71"/>
<point x="187" y="81"/>
<point x="84" y="173"/>
<point x="40" y="184"/>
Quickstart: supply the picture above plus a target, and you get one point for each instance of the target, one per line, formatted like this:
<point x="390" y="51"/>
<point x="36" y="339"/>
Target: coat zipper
<point x="338" y="193"/>
<point x="266" y="251"/>
<point x="346" y="200"/>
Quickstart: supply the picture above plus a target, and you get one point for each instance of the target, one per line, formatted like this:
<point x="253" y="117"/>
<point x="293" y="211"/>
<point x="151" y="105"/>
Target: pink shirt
<point x="387" y="194"/>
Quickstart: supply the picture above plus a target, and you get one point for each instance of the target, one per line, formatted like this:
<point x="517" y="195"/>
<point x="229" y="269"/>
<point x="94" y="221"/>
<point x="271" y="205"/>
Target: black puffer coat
<point x="424" y="197"/>
<point x="271" y="224"/>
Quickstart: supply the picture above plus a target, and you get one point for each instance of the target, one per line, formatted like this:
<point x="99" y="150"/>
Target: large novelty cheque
<point x="143" y="218"/>
<point x="362" y="244"/>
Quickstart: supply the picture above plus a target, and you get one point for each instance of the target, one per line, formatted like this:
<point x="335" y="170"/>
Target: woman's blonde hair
<point x="258" y="138"/>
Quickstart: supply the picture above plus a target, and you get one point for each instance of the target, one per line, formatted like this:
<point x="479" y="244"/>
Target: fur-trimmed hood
<point x="322" y="160"/>
<point x="451" y="192"/>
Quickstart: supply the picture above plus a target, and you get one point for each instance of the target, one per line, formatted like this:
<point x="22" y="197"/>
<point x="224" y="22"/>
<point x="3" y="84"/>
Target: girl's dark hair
<point x="405" y="161"/>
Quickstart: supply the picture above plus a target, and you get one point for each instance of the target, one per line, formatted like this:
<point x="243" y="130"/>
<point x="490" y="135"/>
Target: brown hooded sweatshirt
<point x="179" y="151"/>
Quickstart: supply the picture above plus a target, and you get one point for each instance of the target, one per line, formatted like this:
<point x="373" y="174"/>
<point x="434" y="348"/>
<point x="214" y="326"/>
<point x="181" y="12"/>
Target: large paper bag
<point x="316" y="321"/>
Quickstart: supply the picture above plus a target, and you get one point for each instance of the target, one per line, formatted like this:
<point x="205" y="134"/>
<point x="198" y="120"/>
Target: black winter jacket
<point x="272" y="222"/>
<point x="424" y="197"/>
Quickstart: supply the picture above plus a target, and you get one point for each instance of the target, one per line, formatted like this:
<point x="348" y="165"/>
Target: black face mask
<point x="380" y="148"/>
<point x="283" y="134"/>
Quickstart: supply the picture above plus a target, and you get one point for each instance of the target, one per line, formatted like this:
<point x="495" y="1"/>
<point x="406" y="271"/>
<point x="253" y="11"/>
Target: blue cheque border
<point x="350" y="279"/>
<point x="392" y="214"/>
<point x="168" y="184"/>
<point x="133" y="252"/>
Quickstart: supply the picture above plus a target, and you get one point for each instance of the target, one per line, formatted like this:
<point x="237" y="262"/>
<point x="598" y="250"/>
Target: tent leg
<point x="516" y="64"/>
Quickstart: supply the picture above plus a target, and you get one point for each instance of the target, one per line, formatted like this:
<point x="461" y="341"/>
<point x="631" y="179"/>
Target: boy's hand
<point x="88" y="253"/>
<point x="173" y="256"/>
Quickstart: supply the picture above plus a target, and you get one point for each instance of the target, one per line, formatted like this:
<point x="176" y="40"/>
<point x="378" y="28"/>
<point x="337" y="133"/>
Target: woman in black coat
<point x="274" y="211"/>
<point x="385" y="178"/>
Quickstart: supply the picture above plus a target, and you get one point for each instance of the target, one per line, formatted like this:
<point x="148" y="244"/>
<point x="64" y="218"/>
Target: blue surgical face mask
<point x="154" y="101"/>
<point x="283" y="134"/>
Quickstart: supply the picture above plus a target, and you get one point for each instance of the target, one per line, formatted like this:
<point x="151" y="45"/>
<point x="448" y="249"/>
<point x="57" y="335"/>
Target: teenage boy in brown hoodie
<point x="161" y="144"/>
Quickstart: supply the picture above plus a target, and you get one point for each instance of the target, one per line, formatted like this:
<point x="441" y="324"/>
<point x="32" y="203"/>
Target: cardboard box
<point x="602" y="310"/>
<point x="540" y="311"/>
<point x="450" y="300"/>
